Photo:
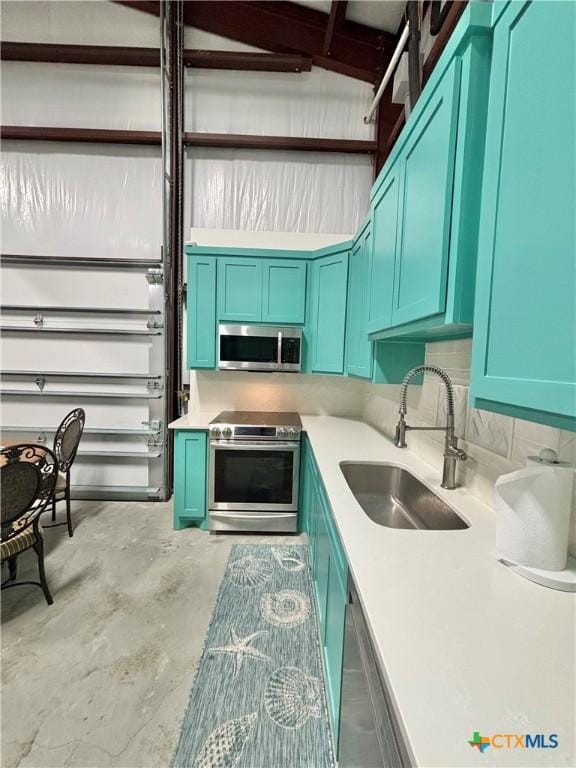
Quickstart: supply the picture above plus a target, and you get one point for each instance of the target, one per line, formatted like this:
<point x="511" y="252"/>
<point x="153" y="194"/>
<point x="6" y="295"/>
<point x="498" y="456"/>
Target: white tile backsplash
<point x="496" y="444"/>
<point x="489" y="430"/>
<point x="248" y="391"/>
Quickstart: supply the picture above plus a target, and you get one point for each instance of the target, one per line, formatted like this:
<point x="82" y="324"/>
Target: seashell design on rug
<point x="250" y="571"/>
<point x="289" y="559"/>
<point x="224" y="746"/>
<point x="292" y="697"/>
<point x="287" y="608"/>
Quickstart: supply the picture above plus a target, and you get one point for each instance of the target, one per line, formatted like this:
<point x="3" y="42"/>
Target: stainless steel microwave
<point x="259" y="348"/>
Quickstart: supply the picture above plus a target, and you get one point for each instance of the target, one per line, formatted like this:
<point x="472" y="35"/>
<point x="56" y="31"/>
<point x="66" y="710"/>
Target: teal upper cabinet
<point x="327" y="327"/>
<point x="284" y="283"/>
<point x="240" y="290"/>
<point x="427" y="168"/>
<point x="201" y="312"/>
<point x="261" y="290"/>
<point x="425" y="203"/>
<point x="524" y="345"/>
<point x="359" y="352"/>
<point x="384" y="214"/>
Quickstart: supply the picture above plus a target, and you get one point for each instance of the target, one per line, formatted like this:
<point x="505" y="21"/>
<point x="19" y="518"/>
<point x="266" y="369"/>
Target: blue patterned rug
<point x="259" y="699"/>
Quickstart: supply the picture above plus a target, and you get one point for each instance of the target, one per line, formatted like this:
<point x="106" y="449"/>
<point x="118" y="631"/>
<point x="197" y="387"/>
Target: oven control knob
<point x="226" y="432"/>
<point x="282" y="432"/>
<point x="293" y="432"/>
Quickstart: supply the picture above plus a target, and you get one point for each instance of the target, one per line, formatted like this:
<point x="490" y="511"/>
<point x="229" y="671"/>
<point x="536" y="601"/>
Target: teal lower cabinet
<point x="321" y="565"/>
<point x="190" y="478"/>
<point x="330" y="577"/>
<point x="524" y="346"/>
<point x="336" y="598"/>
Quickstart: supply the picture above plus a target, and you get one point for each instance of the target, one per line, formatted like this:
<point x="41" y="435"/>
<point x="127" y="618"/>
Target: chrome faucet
<point x="452" y="453"/>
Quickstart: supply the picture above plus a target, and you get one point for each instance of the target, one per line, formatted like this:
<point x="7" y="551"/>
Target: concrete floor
<point x="102" y="677"/>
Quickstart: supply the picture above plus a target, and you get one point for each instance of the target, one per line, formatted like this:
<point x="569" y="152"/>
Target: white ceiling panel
<point x="382" y="14"/>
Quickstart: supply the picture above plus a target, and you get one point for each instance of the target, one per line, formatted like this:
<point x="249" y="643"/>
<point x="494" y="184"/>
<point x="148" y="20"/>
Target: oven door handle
<point x="254" y="516"/>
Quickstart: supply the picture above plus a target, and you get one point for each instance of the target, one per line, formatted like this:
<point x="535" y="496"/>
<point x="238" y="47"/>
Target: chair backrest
<point x="28" y="474"/>
<point x="68" y="437"/>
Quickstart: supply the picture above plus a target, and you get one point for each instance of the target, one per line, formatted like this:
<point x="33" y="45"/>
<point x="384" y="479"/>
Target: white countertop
<point x="466" y="645"/>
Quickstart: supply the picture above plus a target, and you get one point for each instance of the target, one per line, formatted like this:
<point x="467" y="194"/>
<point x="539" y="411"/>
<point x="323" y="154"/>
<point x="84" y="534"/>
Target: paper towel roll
<point x="533" y="516"/>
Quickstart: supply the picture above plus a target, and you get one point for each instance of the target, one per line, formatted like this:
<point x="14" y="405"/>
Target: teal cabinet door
<point x="190" y="461"/>
<point x="524" y="327"/>
<point x="359" y="352"/>
<point x="334" y="637"/>
<point x="321" y="567"/>
<point x="240" y="290"/>
<point x="384" y="215"/>
<point x="329" y="290"/>
<point x="313" y="517"/>
<point x="353" y="309"/>
<point x="427" y="164"/>
<point x="201" y="312"/>
<point x="306" y="489"/>
<point x="284" y="291"/>
<point x="330" y="579"/>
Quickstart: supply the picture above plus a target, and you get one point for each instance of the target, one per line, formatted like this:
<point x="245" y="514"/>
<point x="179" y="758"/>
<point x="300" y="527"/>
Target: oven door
<point x="254" y="476"/>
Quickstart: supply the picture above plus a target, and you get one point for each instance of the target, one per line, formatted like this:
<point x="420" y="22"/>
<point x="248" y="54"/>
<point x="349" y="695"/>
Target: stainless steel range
<point x="254" y="471"/>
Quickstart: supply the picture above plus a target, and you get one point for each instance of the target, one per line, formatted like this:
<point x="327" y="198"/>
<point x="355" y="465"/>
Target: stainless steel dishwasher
<point x="370" y="735"/>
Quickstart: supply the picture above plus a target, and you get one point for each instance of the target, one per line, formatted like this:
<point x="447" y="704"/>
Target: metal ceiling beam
<point x="284" y="27"/>
<point x="113" y="55"/>
<point x="296" y="143"/>
<point x="208" y="140"/>
<point x="335" y="21"/>
<point x="88" y="135"/>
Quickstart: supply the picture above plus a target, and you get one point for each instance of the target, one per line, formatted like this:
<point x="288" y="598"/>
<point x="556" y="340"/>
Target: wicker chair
<point x="28" y="475"/>
<point x="66" y="443"/>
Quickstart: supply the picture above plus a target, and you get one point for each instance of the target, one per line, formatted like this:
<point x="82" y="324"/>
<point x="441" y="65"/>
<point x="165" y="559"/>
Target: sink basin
<point x="393" y="497"/>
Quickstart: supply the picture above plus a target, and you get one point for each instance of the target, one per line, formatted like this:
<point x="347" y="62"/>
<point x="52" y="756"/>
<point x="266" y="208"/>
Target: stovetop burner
<point x="259" y="418"/>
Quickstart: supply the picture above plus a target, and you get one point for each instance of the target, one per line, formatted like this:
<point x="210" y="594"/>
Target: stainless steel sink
<point x="393" y="497"/>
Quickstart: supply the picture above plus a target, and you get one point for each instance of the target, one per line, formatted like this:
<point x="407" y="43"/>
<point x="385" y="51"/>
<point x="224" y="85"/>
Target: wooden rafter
<point x="206" y="140"/>
<point x="335" y="21"/>
<point x="284" y="27"/>
<point x="111" y="55"/>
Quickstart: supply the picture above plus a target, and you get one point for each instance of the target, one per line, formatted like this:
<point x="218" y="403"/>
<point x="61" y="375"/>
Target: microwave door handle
<point x="279" y="348"/>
